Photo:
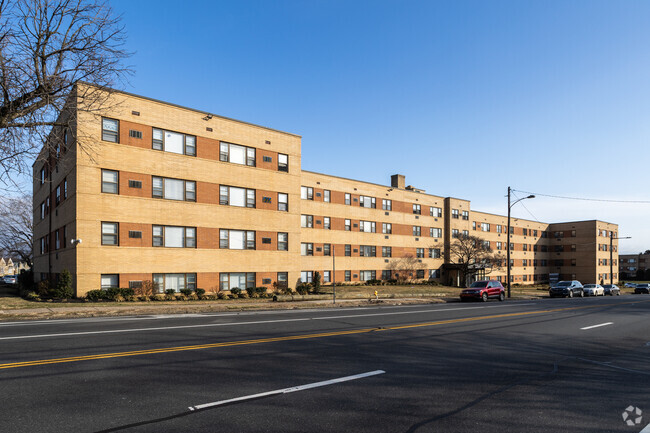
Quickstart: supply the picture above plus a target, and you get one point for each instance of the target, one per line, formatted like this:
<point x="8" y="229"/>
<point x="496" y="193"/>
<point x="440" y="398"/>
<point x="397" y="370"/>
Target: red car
<point x="484" y="290"/>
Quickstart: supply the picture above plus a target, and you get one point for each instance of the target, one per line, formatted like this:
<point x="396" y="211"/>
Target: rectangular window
<point x="306" y="193"/>
<point x="454" y="213"/>
<point x="57" y="241"/>
<point x="434" y="253"/>
<point x="368" y="275"/>
<point x="110" y="234"/>
<point x="109" y="281"/>
<point x="367" y="251"/>
<point x="419" y="253"/>
<point x="369" y="202"/>
<point x="283" y="279"/>
<point x="417" y="230"/>
<point x="110" y="130"/>
<point x="435" y="232"/>
<point x="465" y="233"/>
<point x="417" y="209"/>
<point x="387" y="228"/>
<point x="435" y="212"/>
<point x="348" y="276"/>
<point x="485" y="227"/>
<point x="327" y="195"/>
<point x="306" y="276"/>
<point x="348" y="225"/>
<point x="283" y="241"/>
<point x="173" y="189"/>
<point x="175" y="282"/>
<point x="307" y="221"/>
<point x="347" y="198"/>
<point x="386" y="251"/>
<point x="454" y="233"/>
<point x="473" y="225"/>
<point x="174" y="237"/>
<point x="57" y="200"/>
<point x="43" y="175"/>
<point x="433" y="273"/>
<point x="386" y="204"/>
<point x="498" y="229"/>
<point x="110" y="182"/>
<point x="385" y="274"/>
<point x="306" y="249"/>
<point x="283" y="162"/>
<point x="327" y="249"/>
<point x="326" y="223"/>
<point x="283" y="202"/>
<point x="465" y="215"/>
<point x="237" y="154"/>
<point x="327" y="277"/>
<point x="237" y="239"/>
<point x="419" y="273"/>
<point x="499" y="245"/>
<point x="367" y="226"/>
<point x="234" y="196"/>
<point x="348" y="250"/>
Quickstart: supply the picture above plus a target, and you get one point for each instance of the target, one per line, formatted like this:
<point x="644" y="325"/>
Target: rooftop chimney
<point x="398" y="181"/>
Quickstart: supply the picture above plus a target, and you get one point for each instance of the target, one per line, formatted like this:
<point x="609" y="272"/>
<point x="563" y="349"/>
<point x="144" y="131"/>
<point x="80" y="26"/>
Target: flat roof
<point x="190" y="109"/>
<point x="375" y="184"/>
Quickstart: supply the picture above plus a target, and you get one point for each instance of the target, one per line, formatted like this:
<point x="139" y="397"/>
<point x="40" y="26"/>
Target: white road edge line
<point x="597" y="326"/>
<point x="209" y="325"/>
<point x="287" y="390"/>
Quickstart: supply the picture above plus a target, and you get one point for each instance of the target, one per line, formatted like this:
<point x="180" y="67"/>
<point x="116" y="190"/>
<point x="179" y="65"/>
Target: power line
<point x="585" y="199"/>
<point x="531" y="214"/>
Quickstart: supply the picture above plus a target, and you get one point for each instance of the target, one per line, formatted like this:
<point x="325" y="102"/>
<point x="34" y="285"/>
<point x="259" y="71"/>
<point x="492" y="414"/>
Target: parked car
<point x="594" y="290"/>
<point x="631" y="285"/>
<point x="612" y="289"/>
<point x="9" y="279"/>
<point x="569" y="288"/>
<point x="642" y="288"/>
<point x="484" y="290"/>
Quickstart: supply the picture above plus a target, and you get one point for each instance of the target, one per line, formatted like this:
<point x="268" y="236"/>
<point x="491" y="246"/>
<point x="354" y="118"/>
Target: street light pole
<point x="334" y="274"/>
<point x="508" y="245"/>
<point x="508" y="235"/>
<point x="611" y="255"/>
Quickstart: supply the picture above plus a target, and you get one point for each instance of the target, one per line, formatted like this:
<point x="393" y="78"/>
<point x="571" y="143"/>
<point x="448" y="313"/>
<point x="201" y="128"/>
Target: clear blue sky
<point x="462" y="97"/>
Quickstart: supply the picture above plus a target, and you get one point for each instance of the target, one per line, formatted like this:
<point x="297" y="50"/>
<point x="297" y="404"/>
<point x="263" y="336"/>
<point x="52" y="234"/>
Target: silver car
<point x="612" y="289"/>
<point x="9" y="279"/>
<point x="594" y="290"/>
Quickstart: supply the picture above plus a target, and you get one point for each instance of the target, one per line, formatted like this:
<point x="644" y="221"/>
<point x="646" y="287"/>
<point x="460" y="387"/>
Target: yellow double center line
<point x="287" y="338"/>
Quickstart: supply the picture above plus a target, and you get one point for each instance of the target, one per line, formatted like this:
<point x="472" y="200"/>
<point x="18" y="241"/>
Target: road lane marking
<point x="646" y="429"/>
<point x="289" y="337"/>
<point x="286" y="390"/>
<point x="597" y="326"/>
<point x="209" y="325"/>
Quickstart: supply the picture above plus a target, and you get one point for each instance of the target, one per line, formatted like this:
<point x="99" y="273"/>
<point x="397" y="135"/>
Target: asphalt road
<point x="519" y="366"/>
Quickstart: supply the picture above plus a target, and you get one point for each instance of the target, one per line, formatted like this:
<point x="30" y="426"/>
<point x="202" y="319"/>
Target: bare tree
<point x="47" y="47"/>
<point x="16" y="227"/>
<point x="405" y="268"/>
<point x="473" y="255"/>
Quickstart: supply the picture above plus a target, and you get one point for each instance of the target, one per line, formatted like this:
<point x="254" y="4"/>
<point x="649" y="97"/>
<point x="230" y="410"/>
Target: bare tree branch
<point x="47" y="47"/>
<point x="473" y="255"/>
<point x="16" y="227"/>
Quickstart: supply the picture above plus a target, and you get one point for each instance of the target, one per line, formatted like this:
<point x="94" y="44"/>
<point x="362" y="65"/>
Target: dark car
<point x="612" y="289"/>
<point x="484" y="290"/>
<point x="569" y="288"/>
<point x="642" y="288"/>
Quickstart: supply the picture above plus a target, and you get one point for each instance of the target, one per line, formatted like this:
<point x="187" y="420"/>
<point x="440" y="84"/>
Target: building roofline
<point x="506" y="216"/>
<point x="585" y="221"/>
<point x="372" y="183"/>
<point x="188" y="108"/>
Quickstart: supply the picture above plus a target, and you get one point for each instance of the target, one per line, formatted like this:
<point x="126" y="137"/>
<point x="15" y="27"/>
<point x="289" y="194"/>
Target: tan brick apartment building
<point x="634" y="266"/>
<point x="189" y="199"/>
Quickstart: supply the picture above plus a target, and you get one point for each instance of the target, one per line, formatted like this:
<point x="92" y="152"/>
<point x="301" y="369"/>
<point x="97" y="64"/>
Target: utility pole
<point x="508" y="245"/>
<point x="334" y="274"/>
